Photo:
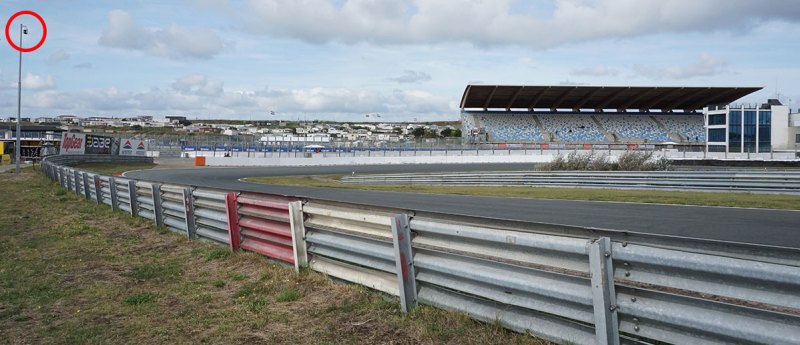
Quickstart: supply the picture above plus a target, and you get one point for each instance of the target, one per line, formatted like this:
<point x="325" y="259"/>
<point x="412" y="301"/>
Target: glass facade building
<point x="739" y="130"/>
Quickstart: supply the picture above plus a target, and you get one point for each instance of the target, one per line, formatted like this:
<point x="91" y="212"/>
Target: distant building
<point x="176" y="119"/>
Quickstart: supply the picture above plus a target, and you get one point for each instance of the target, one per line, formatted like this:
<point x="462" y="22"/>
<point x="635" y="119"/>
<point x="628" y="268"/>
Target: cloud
<point x="596" y="71"/>
<point x="172" y="42"/>
<point x="58" y="56"/>
<point x="31" y="82"/>
<point x="198" y="95"/>
<point x="84" y="65"/>
<point x="410" y="76"/>
<point x="499" y="22"/>
<point x="706" y="65"/>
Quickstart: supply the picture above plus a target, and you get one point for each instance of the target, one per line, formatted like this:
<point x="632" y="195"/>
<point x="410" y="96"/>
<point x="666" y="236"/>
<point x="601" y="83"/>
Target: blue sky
<point x="404" y="59"/>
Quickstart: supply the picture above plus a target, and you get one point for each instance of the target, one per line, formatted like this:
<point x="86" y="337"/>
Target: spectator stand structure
<point x="591" y="114"/>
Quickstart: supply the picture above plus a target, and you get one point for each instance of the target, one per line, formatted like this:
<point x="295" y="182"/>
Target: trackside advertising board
<point x="98" y="145"/>
<point x="73" y="144"/>
<point x="89" y="144"/>
<point x="133" y="147"/>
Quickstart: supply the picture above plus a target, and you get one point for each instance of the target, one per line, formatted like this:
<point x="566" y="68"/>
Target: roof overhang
<point x="599" y="98"/>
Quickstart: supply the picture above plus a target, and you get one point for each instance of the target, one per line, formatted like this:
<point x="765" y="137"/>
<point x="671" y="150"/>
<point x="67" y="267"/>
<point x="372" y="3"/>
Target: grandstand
<point x="590" y="114"/>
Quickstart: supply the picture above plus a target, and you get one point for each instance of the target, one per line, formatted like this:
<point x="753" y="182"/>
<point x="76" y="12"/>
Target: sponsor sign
<point x="73" y="144"/>
<point x="133" y="147"/>
<point x="98" y="145"/>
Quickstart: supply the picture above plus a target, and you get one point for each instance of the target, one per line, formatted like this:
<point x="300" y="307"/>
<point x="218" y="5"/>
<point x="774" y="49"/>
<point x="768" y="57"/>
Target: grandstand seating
<point x="633" y="127"/>
<point x="692" y="127"/>
<point x="508" y="127"/>
<point x="575" y="128"/>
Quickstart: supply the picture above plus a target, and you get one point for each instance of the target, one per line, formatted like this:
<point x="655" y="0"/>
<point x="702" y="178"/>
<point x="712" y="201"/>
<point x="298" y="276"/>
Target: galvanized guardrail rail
<point x="569" y="285"/>
<point x="782" y="182"/>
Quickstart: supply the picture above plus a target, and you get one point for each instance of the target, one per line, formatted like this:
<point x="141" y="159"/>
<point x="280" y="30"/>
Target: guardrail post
<point x="98" y="189"/>
<point x="133" y="197"/>
<point x="61" y="176"/>
<point x="112" y="187"/>
<point x="158" y="211"/>
<point x="404" y="260"/>
<point x="297" y="224"/>
<point x="606" y="322"/>
<point x="232" y="210"/>
<point x="87" y="192"/>
<point x="75" y="179"/>
<point x="188" y="206"/>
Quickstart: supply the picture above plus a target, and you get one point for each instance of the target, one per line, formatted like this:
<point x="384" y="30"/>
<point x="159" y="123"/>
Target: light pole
<point x="22" y="30"/>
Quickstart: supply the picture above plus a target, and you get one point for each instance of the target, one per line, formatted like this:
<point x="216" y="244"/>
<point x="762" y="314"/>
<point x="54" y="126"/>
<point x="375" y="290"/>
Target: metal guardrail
<point x="564" y="284"/>
<point x="784" y="182"/>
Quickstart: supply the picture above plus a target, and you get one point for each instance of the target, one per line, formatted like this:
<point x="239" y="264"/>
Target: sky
<point x="403" y="59"/>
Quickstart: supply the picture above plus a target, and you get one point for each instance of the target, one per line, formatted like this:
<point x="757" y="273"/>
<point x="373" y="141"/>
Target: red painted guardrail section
<point x="261" y="224"/>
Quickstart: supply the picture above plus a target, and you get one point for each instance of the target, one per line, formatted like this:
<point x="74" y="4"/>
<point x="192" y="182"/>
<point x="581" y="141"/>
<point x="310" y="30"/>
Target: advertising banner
<point x="98" y="145"/>
<point x="72" y="144"/>
<point x="133" y="147"/>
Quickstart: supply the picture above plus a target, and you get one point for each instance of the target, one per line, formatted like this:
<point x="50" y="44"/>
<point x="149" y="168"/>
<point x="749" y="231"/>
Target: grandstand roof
<point x="599" y="97"/>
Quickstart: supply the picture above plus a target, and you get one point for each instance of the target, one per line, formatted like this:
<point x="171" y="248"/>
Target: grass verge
<point x="114" y="168"/>
<point x="73" y="272"/>
<point x="786" y="202"/>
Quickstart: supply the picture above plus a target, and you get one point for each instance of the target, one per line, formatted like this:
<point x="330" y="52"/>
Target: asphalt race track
<point x="758" y="226"/>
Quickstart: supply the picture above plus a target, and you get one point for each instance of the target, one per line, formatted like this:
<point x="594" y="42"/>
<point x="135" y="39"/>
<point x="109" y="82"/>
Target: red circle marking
<point x="8" y="28"/>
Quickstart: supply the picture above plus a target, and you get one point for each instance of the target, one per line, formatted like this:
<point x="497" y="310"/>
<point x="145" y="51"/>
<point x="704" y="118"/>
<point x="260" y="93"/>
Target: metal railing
<point x="777" y="182"/>
<point x="564" y="284"/>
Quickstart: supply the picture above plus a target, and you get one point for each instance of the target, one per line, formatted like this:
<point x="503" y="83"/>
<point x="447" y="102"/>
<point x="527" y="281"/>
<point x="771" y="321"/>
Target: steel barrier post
<point x="133" y="197"/>
<point x="98" y="189"/>
<point x="61" y="176"/>
<point x="188" y="206"/>
<point x="606" y="322"/>
<point x="87" y="192"/>
<point x="404" y="261"/>
<point x="232" y="211"/>
<point x="112" y="188"/>
<point x="75" y="179"/>
<point x="296" y="222"/>
<point x="158" y="212"/>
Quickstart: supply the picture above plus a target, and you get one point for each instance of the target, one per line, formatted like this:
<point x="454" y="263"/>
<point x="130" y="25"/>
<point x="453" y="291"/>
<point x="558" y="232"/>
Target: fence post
<point x="404" y="260"/>
<point x="296" y="222"/>
<point x="232" y="210"/>
<point x="112" y="188"/>
<point x="86" y="190"/>
<point x="61" y="176"/>
<point x="606" y="322"/>
<point x="158" y="212"/>
<point x="98" y="189"/>
<point x="133" y="198"/>
<point x="188" y="206"/>
<point x="75" y="179"/>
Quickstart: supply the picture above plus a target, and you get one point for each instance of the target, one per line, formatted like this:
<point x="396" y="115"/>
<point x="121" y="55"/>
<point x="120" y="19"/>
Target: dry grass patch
<point x="73" y="272"/>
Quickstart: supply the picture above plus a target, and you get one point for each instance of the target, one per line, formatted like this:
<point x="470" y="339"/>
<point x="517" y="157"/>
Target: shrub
<point x="628" y="161"/>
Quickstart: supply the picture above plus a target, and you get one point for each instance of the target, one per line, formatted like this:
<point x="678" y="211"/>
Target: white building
<point x="750" y="128"/>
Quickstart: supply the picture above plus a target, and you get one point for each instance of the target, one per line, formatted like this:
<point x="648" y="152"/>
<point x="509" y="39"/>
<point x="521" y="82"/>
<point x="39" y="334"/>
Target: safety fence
<point x="777" y="182"/>
<point x="565" y="284"/>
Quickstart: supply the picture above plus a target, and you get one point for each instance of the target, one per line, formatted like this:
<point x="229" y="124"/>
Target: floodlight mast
<point x="17" y="149"/>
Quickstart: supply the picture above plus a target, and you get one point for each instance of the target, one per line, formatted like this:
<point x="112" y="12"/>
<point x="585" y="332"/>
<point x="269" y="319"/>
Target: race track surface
<point x="758" y="226"/>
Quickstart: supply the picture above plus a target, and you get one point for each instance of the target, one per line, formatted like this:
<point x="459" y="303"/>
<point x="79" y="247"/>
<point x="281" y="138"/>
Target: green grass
<point x="787" y="202"/>
<point x="74" y="272"/>
<point x="114" y="168"/>
<point x="287" y="295"/>
<point x="139" y="299"/>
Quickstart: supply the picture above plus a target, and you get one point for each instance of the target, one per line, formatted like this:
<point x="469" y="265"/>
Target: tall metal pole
<point x="19" y="102"/>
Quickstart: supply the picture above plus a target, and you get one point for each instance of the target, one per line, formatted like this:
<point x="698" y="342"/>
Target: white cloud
<point x="410" y="76"/>
<point x="706" y="65"/>
<point x="198" y="95"/>
<point x="31" y="82"/>
<point x="596" y="71"/>
<point x="173" y="42"/>
<point x="499" y="22"/>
